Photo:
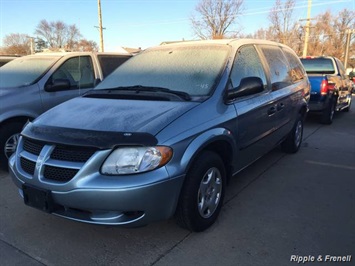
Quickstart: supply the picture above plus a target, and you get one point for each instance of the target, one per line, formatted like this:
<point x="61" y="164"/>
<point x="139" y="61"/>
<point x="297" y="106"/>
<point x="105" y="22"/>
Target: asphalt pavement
<point x="283" y="210"/>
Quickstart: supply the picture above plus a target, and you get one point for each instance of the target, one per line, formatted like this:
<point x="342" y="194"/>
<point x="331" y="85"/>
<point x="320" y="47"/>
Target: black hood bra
<point x="88" y="138"/>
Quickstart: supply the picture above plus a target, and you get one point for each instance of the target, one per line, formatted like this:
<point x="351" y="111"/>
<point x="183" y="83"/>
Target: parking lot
<point x="282" y="206"/>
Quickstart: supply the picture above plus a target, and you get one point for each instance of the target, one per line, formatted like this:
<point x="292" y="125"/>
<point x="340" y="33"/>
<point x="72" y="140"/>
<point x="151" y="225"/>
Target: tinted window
<point x="110" y="62"/>
<point x="247" y="64"/>
<point x="279" y="68"/>
<point x="318" y="65"/>
<point x="296" y="70"/>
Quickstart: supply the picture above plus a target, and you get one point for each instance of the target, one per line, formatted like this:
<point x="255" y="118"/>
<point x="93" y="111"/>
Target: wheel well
<point x="225" y="151"/>
<point x="303" y="111"/>
<point x="21" y="119"/>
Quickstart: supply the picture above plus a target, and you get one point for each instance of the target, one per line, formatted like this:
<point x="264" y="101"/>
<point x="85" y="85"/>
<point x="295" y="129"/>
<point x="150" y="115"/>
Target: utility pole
<point x="100" y="27"/>
<point x="32" y="42"/>
<point x="305" y="48"/>
<point x="348" y="33"/>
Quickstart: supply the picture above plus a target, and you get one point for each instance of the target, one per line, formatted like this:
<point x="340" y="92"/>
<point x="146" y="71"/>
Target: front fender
<point x="206" y="141"/>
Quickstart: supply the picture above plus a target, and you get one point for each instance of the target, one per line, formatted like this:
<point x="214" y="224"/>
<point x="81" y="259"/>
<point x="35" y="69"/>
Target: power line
<point x="250" y="12"/>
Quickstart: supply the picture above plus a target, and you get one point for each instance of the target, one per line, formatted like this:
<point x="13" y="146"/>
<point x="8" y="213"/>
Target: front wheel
<point x="202" y="195"/>
<point x="294" y="139"/>
<point x="9" y="134"/>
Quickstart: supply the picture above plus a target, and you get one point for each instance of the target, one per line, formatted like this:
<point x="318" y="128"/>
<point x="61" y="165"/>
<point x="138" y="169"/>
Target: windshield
<point x="24" y="71"/>
<point x="190" y="69"/>
<point x="318" y="65"/>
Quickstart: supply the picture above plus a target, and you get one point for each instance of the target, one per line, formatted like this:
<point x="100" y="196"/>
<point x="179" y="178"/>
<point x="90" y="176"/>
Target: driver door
<point x="78" y="71"/>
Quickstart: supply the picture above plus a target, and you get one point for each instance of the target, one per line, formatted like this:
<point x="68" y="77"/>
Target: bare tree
<point x="328" y="34"/>
<point x="215" y="17"/>
<point x="58" y="34"/>
<point x="85" y="46"/>
<point x="282" y="24"/>
<point x="16" y="43"/>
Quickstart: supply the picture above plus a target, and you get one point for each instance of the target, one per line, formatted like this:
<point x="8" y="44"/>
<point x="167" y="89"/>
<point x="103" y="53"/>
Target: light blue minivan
<point x="161" y="136"/>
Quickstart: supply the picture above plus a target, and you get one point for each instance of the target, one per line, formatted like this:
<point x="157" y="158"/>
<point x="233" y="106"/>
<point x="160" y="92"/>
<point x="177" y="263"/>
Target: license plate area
<point x="38" y="198"/>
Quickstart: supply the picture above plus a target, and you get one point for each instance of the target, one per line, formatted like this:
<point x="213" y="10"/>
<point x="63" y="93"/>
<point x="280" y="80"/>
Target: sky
<point x="143" y="23"/>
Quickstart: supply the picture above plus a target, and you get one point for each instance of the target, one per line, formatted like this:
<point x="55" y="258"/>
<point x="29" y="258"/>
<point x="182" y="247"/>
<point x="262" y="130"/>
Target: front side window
<point x="77" y="70"/>
<point x="247" y="64"/>
<point x="278" y="65"/>
<point x="192" y="69"/>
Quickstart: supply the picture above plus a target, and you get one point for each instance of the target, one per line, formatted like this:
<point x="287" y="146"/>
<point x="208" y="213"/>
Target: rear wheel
<point x="328" y="113"/>
<point x="202" y="195"/>
<point x="294" y="139"/>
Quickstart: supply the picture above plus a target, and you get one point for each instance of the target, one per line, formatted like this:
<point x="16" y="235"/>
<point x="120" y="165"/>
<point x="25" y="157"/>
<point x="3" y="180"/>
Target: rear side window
<point x="247" y="64"/>
<point x="296" y="70"/>
<point x="318" y="65"/>
<point x="110" y="62"/>
<point x="279" y="68"/>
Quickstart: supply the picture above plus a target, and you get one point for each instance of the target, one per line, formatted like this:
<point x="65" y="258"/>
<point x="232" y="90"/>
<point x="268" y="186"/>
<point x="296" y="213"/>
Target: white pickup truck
<point x="32" y="84"/>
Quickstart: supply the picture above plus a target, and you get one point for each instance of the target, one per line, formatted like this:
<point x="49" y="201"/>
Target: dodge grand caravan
<point x="161" y="136"/>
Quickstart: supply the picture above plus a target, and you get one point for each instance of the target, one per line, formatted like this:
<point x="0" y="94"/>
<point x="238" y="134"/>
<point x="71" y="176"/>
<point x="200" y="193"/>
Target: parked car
<point x="33" y="84"/>
<point x="4" y="59"/>
<point x="330" y="86"/>
<point x="163" y="134"/>
<point x="352" y="80"/>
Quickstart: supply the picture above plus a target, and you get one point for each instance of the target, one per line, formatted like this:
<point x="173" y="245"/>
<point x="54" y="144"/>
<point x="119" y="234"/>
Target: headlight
<point x="131" y="160"/>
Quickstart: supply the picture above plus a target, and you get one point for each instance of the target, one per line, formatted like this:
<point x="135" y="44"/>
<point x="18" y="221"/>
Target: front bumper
<point x="90" y="197"/>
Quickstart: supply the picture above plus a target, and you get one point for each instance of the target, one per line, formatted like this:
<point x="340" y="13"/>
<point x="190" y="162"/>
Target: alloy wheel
<point x="11" y="145"/>
<point x="209" y="193"/>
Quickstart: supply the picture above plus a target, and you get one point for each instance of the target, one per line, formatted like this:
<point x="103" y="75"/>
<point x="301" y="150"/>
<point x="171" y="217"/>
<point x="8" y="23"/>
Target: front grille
<point x="32" y="146"/>
<point x="55" y="159"/>
<point x="28" y="166"/>
<point x="72" y="153"/>
<point x="59" y="174"/>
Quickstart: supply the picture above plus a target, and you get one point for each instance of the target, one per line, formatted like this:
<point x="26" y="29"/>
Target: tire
<point x="202" y="195"/>
<point x="293" y="141"/>
<point x="8" y="142"/>
<point x="328" y="113"/>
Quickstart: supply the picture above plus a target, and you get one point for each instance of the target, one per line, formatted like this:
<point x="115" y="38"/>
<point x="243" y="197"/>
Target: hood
<point x="114" y="115"/>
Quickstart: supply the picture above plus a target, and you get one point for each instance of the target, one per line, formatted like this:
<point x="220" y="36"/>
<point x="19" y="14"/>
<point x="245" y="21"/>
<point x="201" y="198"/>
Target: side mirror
<point x="58" y="85"/>
<point x="248" y="86"/>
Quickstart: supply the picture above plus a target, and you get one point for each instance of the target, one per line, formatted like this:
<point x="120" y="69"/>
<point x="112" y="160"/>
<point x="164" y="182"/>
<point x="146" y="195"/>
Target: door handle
<point x="271" y="111"/>
<point x="280" y="106"/>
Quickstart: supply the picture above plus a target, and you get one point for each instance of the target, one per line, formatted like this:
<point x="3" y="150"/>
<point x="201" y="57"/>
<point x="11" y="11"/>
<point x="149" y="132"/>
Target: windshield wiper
<point x="141" y="88"/>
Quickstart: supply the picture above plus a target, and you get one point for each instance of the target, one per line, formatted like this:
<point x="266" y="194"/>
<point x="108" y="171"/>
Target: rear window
<point x="110" y="62"/>
<point x="318" y="65"/>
